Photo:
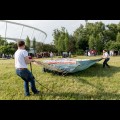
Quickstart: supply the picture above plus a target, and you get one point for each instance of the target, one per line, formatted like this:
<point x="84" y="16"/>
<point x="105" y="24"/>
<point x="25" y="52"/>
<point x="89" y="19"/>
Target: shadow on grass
<point x="82" y="96"/>
<point x="99" y="94"/>
<point x="98" y="86"/>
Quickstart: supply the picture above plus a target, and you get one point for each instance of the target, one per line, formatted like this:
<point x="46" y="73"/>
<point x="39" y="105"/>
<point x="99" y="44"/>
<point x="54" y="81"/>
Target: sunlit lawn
<point x="94" y="83"/>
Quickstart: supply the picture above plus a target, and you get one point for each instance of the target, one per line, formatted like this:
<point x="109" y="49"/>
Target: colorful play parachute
<point x="68" y="65"/>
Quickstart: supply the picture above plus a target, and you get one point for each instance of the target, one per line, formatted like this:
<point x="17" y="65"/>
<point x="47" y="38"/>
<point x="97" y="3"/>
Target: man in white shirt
<point x="21" y="61"/>
<point x="106" y="57"/>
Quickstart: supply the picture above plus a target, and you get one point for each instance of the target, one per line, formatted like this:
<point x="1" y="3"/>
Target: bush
<point x="59" y="57"/>
<point x="73" y="56"/>
<point x="80" y="52"/>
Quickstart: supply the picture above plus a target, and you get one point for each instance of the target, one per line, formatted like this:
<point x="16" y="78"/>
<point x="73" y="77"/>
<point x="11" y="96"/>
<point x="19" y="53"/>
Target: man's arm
<point x="28" y="61"/>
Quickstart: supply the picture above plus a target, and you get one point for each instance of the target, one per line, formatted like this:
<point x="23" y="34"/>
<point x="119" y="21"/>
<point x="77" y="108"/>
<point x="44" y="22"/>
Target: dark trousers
<point x="27" y="76"/>
<point x="105" y="62"/>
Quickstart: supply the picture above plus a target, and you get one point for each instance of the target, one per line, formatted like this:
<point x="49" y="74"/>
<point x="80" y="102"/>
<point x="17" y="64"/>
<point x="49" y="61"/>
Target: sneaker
<point x="37" y="92"/>
<point x="27" y="95"/>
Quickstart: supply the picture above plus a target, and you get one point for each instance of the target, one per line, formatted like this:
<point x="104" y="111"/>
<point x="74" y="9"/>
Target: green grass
<point x="94" y="83"/>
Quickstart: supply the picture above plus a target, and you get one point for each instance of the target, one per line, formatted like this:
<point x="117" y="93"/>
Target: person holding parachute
<point x="21" y="61"/>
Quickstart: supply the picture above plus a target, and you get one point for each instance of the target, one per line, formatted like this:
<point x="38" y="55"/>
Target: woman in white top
<point x="106" y="57"/>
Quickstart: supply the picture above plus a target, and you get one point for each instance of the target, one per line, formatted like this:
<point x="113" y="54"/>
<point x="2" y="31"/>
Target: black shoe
<point x="37" y="92"/>
<point x="27" y="95"/>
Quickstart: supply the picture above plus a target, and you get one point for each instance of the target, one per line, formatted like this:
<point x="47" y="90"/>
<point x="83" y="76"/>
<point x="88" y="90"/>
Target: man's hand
<point x="32" y="60"/>
<point x="29" y="59"/>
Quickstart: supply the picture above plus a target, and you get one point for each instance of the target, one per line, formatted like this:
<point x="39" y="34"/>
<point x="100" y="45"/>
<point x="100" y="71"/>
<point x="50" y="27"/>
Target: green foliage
<point x="115" y="46"/>
<point x="8" y="49"/>
<point x="3" y="49"/>
<point x="91" y="42"/>
<point x="81" y="37"/>
<point x="92" y="35"/>
<point x="66" y="40"/>
<point x="3" y="42"/>
<point x="61" y="39"/>
<point x="108" y="44"/>
<point x="34" y="45"/>
<point x="80" y="52"/>
<point x="41" y="47"/>
<point x="111" y="45"/>
<point x="99" y="43"/>
<point x="111" y="31"/>
<point x="72" y="44"/>
<point x="118" y="37"/>
<point x="27" y="42"/>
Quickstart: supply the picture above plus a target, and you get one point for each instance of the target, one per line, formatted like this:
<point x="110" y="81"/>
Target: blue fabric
<point x="79" y="66"/>
<point x="27" y="76"/>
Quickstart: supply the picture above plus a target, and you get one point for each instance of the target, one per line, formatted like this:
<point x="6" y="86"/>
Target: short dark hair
<point x="20" y="43"/>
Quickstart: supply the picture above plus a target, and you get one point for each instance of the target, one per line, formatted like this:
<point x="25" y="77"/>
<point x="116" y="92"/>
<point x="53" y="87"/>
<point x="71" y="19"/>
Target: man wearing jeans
<point x="106" y="57"/>
<point x="21" y="61"/>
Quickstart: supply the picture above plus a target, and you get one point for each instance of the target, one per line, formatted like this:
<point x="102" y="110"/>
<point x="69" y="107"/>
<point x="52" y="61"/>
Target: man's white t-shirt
<point x="19" y="58"/>
<point x="106" y="55"/>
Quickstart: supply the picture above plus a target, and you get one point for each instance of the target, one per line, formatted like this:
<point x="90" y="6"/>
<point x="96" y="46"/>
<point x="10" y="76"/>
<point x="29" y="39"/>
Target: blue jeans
<point x="27" y="76"/>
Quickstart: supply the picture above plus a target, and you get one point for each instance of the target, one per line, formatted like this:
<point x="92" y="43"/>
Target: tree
<point x="118" y="37"/>
<point x="39" y="47"/>
<point x="12" y="47"/>
<point x="66" y="40"/>
<point x="111" y="32"/>
<point x="4" y="50"/>
<point x="81" y="37"/>
<point x="61" y="39"/>
<point x="94" y="36"/>
<point x="91" y="42"/>
<point x="28" y="42"/>
<point x="56" y="35"/>
<point x="34" y="45"/>
<point x="115" y="46"/>
<point x="99" y="43"/>
<point x="108" y="45"/>
<point x="72" y="44"/>
<point x="3" y="42"/>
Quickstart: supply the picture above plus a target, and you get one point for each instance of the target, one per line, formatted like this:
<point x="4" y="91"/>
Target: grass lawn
<point x="94" y="83"/>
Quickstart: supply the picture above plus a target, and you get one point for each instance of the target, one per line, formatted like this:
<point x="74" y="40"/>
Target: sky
<point x="47" y="26"/>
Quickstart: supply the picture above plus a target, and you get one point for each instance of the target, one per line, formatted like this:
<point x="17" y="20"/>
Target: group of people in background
<point x="44" y="54"/>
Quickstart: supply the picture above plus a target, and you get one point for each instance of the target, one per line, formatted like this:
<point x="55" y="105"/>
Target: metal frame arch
<point x="23" y="26"/>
